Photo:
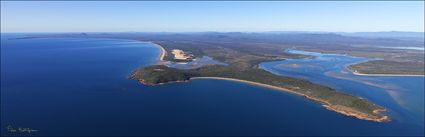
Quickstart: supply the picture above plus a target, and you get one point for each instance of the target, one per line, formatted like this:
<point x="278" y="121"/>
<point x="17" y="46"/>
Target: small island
<point x="243" y="67"/>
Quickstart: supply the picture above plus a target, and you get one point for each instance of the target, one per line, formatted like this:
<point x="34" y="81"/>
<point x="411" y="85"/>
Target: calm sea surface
<point x="80" y="87"/>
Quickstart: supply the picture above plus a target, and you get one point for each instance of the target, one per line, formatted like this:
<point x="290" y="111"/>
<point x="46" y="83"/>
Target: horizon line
<point x="277" y="31"/>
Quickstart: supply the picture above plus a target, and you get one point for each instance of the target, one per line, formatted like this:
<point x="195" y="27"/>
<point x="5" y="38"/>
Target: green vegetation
<point x="396" y="61"/>
<point x="388" y="67"/>
<point x="271" y="45"/>
<point x="243" y="65"/>
<point x="244" y="51"/>
<point x="161" y="74"/>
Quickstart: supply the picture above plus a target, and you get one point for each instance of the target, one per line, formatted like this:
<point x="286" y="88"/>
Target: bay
<point x="70" y="86"/>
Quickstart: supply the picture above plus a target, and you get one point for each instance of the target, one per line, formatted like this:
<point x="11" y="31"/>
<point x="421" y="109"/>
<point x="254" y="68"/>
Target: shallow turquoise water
<point x="402" y="95"/>
<point x="79" y="87"/>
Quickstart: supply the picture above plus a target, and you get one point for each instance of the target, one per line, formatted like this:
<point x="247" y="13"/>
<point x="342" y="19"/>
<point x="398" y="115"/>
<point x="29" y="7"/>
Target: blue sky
<point x="98" y="16"/>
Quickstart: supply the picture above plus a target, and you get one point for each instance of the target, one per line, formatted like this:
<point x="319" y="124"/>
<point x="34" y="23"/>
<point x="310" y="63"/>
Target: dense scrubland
<point x="244" y="51"/>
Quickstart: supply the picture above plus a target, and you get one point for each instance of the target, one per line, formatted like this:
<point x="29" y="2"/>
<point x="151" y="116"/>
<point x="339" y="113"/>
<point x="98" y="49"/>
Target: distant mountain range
<point x="401" y="35"/>
<point x="419" y="36"/>
<point x="387" y="39"/>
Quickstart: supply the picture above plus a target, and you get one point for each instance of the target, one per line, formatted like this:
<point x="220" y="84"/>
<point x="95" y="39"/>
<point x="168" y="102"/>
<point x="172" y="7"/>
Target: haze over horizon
<point x="135" y="16"/>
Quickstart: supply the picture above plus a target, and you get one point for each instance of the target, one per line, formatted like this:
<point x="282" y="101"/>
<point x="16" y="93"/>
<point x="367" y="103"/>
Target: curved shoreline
<point x="355" y="72"/>
<point x="391" y="75"/>
<point x="337" y="108"/>
<point x="163" y="52"/>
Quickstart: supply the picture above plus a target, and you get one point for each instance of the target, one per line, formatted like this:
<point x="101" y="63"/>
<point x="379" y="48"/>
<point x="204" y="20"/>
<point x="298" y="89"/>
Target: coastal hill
<point x="243" y="67"/>
<point x="331" y="99"/>
<point x="242" y="52"/>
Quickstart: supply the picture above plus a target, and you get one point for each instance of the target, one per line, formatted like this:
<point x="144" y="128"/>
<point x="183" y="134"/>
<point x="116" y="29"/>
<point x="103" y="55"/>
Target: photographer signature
<point x="20" y="129"/>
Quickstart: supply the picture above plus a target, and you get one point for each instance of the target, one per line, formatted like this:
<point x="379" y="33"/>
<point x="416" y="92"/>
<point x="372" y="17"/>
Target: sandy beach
<point x="394" y="75"/>
<point x="163" y="52"/>
<point x="337" y="108"/>
<point x="180" y="54"/>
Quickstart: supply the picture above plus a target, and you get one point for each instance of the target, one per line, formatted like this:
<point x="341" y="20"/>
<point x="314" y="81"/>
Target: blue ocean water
<point x="80" y="87"/>
<point x="403" y="96"/>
